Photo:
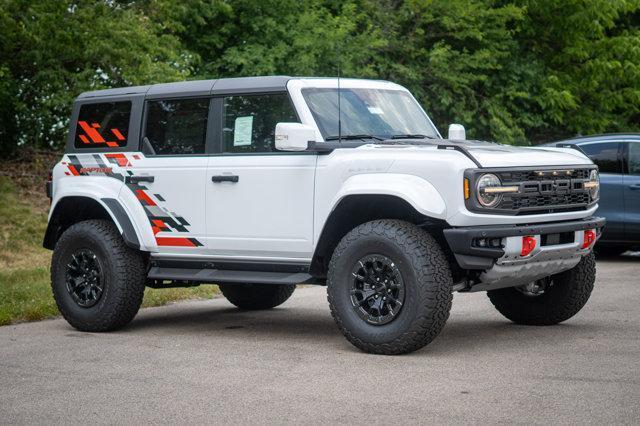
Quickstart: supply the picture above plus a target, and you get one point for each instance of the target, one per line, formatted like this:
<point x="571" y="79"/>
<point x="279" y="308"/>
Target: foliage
<point x="50" y="51"/>
<point x="509" y="70"/>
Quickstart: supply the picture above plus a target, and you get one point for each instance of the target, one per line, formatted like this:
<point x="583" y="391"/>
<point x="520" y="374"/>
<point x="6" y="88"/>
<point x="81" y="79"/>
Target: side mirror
<point x="293" y="136"/>
<point x="457" y="132"/>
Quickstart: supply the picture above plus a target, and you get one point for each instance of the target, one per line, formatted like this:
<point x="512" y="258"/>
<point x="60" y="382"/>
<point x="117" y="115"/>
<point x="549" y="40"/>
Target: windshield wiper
<point x="411" y="136"/>
<point x="352" y="137"/>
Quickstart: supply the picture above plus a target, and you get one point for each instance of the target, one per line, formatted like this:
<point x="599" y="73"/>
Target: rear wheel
<point x="257" y="296"/>
<point x="97" y="281"/>
<point x="548" y="301"/>
<point x="389" y="287"/>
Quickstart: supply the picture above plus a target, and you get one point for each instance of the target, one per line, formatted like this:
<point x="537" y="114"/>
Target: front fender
<point x="413" y="189"/>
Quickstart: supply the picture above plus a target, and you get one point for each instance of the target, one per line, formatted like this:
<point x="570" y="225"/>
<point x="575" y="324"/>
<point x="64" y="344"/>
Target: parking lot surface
<point x="206" y="361"/>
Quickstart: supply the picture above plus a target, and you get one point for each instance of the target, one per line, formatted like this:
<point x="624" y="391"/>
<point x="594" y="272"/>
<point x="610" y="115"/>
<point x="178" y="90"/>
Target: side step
<point x="217" y="276"/>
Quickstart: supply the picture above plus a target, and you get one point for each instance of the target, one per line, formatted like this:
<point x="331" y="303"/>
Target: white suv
<point x="258" y="184"/>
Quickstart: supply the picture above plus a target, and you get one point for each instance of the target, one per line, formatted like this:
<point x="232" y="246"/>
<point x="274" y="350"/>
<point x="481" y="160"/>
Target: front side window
<point x="250" y="121"/>
<point x="605" y="155"/>
<point x="177" y="127"/>
<point x="634" y="158"/>
<point x="103" y="125"/>
<point x="376" y="112"/>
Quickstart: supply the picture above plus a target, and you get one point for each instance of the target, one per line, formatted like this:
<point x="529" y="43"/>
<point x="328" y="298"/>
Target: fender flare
<point x="123" y="222"/>
<point x="418" y="192"/>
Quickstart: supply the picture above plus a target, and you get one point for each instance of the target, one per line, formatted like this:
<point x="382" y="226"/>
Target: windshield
<point x="375" y="112"/>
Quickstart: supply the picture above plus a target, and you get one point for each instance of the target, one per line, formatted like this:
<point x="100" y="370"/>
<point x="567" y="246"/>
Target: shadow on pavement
<point x="316" y="327"/>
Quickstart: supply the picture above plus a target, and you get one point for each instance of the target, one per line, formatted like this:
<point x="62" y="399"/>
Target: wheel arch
<point x="76" y="208"/>
<point x="355" y="209"/>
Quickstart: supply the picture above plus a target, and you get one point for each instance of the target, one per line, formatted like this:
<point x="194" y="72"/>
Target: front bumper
<point x="498" y="260"/>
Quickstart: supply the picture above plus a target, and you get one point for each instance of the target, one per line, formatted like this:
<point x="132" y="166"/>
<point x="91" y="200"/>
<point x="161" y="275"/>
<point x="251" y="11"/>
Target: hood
<point x="494" y="155"/>
<point x="511" y="156"/>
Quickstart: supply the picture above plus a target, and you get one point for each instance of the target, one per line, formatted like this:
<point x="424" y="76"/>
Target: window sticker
<point x="243" y="130"/>
<point x="375" y="110"/>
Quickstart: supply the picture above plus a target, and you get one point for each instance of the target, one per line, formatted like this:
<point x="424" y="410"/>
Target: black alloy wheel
<point x="84" y="278"/>
<point x="377" y="292"/>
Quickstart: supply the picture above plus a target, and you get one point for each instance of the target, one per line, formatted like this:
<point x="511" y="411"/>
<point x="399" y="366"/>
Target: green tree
<point x="248" y="37"/>
<point x="587" y="60"/>
<point x="50" y="51"/>
<point x="456" y="56"/>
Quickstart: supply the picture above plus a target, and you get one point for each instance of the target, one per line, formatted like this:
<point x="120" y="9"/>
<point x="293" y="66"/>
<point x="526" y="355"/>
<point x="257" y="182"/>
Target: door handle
<point x="225" y="178"/>
<point x="635" y="187"/>
<point x="138" y="179"/>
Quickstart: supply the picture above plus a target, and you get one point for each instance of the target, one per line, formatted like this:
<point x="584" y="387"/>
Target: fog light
<point x="589" y="238"/>
<point x="528" y="244"/>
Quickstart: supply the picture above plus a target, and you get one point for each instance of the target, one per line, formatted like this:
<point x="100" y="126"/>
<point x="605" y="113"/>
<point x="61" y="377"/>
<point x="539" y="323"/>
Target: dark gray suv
<point x="618" y="158"/>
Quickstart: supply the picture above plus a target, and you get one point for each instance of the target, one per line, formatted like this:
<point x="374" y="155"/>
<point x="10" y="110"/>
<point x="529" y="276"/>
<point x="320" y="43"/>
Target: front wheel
<point x="389" y="287"/>
<point x="548" y="301"/>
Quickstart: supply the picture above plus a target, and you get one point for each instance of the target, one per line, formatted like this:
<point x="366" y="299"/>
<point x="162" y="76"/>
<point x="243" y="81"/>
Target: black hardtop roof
<point x="221" y="86"/>
<point x="197" y="87"/>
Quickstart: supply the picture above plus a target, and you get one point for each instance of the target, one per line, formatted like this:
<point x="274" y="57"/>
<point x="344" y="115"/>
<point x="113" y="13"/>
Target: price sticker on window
<point x="242" y="131"/>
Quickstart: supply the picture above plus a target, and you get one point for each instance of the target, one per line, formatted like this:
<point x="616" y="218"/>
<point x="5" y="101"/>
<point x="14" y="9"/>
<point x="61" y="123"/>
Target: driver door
<point x="259" y="200"/>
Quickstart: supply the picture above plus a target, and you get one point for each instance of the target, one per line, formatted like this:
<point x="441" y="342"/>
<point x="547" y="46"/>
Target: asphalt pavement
<point x="207" y="362"/>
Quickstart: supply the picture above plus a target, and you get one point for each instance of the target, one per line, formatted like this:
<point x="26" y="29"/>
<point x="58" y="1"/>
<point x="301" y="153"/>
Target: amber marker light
<point x="466" y="188"/>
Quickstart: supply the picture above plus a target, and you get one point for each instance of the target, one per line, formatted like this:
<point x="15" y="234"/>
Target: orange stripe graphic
<point x="144" y="197"/>
<point x="93" y="133"/>
<point x="118" y="134"/>
<point x="174" y="242"/>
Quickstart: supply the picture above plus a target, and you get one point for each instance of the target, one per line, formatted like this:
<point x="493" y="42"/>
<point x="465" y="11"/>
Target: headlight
<point x="593" y="185"/>
<point x="488" y="181"/>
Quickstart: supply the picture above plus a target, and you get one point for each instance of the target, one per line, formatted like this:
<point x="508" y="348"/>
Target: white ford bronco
<point x="258" y="184"/>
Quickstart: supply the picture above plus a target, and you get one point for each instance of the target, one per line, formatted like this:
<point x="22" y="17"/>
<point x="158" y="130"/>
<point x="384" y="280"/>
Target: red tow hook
<point x="589" y="238"/>
<point x="528" y="244"/>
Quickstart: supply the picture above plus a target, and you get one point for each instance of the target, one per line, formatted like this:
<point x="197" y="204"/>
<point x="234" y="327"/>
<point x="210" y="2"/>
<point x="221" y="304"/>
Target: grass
<point x="25" y="291"/>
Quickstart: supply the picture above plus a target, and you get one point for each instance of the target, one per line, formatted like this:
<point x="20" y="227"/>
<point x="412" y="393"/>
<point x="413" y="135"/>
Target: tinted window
<point x="605" y="155"/>
<point x="177" y="127"/>
<point x="634" y="158"/>
<point x="103" y="125"/>
<point x="250" y="121"/>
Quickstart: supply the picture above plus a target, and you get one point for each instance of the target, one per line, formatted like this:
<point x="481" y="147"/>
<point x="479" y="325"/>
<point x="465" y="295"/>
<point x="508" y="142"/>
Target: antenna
<point x="339" y="110"/>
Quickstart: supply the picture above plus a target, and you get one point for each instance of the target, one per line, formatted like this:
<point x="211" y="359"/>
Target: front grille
<point x="556" y="202"/>
<point x="508" y="177"/>
<point x="541" y="190"/>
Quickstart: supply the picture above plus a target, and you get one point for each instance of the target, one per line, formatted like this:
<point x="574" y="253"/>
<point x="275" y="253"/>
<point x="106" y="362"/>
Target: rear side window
<point x="103" y="125"/>
<point x="606" y="155"/>
<point x="177" y="127"/>
<point x="634" y="158"/>
<point x="250" y="121"/>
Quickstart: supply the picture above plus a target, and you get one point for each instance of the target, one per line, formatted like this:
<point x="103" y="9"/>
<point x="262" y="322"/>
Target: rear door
<point x="632" y="190"/>
<point x="168" y="179"/>
<point x="608" y="157"/>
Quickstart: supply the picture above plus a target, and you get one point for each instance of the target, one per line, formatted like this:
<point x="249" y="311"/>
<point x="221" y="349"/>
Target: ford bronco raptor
<point x="258" y="184"/>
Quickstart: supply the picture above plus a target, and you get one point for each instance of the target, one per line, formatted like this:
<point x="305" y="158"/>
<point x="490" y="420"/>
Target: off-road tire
<point x="253" y="297"/>
<point x="124" y="277"/>
<point x="568" y="293"/>
<point x="427" y="279"/>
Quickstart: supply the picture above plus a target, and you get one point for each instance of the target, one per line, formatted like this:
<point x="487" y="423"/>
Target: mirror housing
<point x="457" y="132"/>
<point x="293" y="136"/>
